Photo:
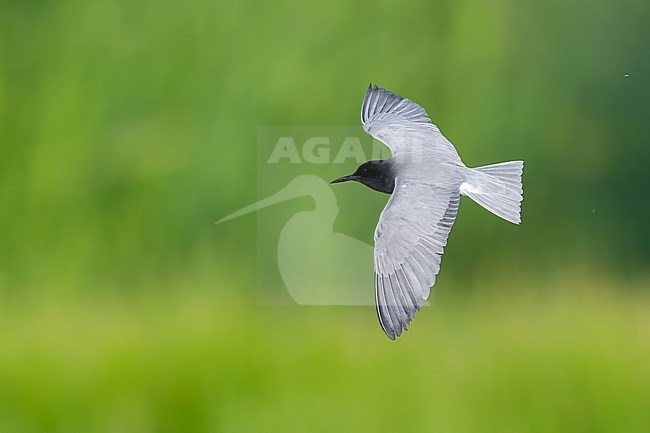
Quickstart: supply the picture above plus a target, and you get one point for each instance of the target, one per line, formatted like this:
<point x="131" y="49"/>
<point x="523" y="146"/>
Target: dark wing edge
<point x="399" y="295"/>
<point x="381" y="101"/>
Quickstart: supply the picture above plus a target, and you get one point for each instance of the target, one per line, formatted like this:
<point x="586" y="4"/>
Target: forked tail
<point x="497" y="188"/>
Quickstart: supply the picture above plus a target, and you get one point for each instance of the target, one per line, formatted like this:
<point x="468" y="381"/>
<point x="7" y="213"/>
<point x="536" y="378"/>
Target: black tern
<point x="425" y="178"/>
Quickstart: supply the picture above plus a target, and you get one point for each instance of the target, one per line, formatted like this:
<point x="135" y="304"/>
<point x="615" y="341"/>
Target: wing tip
<point x="378" y="100"/>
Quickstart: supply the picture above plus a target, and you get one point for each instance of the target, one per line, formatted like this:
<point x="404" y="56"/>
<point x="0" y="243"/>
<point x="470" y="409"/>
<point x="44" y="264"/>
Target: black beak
<point x="344" y="179"/>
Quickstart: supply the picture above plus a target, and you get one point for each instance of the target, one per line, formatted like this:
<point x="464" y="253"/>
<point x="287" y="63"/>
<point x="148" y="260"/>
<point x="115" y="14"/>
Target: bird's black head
<point x="377" y="175"/>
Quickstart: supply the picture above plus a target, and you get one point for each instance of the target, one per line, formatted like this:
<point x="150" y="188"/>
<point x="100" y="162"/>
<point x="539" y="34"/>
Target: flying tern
<point x="425" y="178"/>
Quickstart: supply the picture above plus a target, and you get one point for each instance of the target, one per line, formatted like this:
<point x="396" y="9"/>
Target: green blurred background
<point x="128" y="128"/>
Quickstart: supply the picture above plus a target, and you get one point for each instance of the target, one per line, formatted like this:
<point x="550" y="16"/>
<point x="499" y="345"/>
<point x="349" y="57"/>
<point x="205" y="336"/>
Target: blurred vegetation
<point x="128" y="128"/>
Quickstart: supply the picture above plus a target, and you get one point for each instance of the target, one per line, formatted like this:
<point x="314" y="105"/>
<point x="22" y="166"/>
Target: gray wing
<point x="402" y="125"/>
<point x="409" y="241"/>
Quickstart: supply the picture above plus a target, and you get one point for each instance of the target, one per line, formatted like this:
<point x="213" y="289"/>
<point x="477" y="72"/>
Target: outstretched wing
<point x="402" y="125"/>
<point x="409" y="241"/>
